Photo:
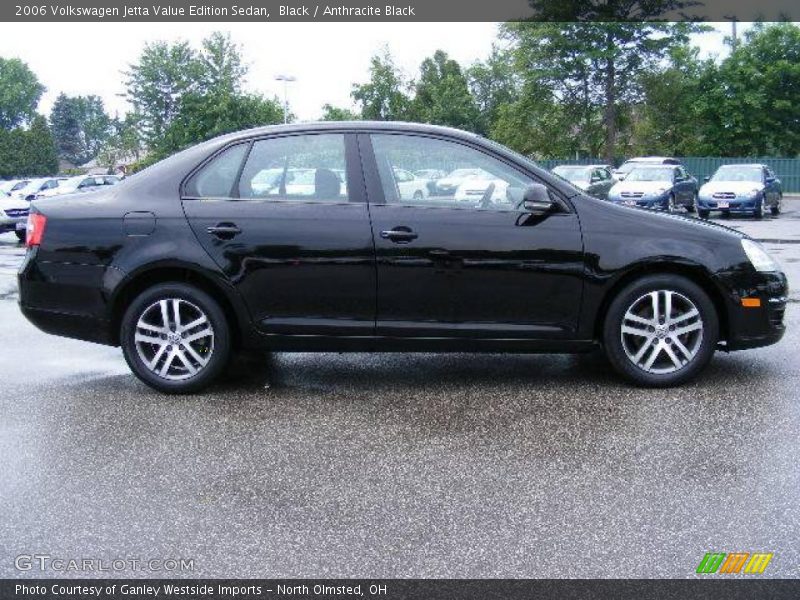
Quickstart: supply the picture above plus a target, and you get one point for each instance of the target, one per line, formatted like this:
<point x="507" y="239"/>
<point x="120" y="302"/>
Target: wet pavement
<point x="392" y="465"/>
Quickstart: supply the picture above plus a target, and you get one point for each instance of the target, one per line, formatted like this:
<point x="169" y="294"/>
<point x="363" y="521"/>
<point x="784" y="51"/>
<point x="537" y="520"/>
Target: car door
<point x="771" y="187"/>
<point x="476" y="269"/>
<point x="684" y="189"/>
<point x="300" y="255"/>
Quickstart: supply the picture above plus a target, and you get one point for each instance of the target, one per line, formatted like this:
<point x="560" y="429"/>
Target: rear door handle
<point x="224" y="230"/>
<point x="399" y="234"/>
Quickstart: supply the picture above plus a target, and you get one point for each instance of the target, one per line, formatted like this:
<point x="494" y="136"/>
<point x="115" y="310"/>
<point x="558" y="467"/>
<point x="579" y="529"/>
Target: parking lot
<point x="393" y="465"/>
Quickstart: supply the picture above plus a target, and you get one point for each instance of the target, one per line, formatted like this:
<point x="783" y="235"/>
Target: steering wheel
<point x="486" y="199"/>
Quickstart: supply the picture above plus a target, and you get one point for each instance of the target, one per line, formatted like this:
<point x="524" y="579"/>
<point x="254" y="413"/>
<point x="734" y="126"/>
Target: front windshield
<point x="574" y="173"/>
<point x="650" y="174"/>
<point x="32" y="187"/>
<point x="628" y="167"/>
<point x="734" y="173"/>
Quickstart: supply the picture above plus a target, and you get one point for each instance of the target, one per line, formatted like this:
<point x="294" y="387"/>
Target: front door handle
<point x="400" y="235"/>
<point x="224" y="231"/>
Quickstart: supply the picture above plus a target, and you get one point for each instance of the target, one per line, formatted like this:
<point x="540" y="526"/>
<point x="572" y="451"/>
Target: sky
<point x="325" y="58"/>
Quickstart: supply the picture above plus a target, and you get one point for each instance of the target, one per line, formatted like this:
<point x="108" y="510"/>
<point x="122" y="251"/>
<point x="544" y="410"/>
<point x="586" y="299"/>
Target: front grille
<point x="724" y="195"/>
<point x="16" y="213"/>
<point x="632" y="194"/>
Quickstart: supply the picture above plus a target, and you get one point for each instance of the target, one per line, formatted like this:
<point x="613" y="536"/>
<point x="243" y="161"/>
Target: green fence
<point x="787" y="169"/>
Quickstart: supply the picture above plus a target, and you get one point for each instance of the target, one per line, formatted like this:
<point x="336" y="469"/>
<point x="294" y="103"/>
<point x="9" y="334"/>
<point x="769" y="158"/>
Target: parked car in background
<point x="431" y="174"/>
<point x="447" y="186"/>
<point x="409" y="185"/>
<point x="630" y="164"/>
<point x="483" y="192"/>
<point x="661" y="187"/>
<point x="181" y="282"/>
<point x="79" y="184"/>
<point x="13" y="215"/>
<point x="744" y="188"/>
<point x="595" y="180"/>
<point x="12" y="185"/>
<point x="37" y="186"/>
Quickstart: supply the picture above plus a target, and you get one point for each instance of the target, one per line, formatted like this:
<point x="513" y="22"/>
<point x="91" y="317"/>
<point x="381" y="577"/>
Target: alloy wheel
<point x="662" y="332"/>
<point x="174" y="339"/>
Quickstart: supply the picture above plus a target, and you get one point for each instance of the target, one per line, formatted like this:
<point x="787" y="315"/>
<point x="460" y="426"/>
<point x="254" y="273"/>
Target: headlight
<point x="759" y="257"/>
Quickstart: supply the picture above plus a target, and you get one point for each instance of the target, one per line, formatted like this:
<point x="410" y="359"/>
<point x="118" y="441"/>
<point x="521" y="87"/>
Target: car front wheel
<point x="693" y="205"/>
<point x="175" y="338"/>
<point x="758" y="212"/>
<point x="660" y="330"/>
<point x="776" y="208"/>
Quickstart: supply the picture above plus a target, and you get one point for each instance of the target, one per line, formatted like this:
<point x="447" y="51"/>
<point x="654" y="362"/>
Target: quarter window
<point x="472" y="179"/>
<point x="299" y="168"/>
<point x="216" y="178"/>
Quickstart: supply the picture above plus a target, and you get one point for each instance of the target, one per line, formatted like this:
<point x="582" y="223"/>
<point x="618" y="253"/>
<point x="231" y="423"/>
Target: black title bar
<point x="396" y="10"/>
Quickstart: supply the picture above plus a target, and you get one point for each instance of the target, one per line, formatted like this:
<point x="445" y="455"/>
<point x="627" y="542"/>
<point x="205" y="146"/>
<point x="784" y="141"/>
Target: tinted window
<point x="302" y="168"/>
<point x="216" y="178"/>
<point x="472" y="179"/>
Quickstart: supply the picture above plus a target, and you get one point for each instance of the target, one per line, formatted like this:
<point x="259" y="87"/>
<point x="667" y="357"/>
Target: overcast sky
<point x="326" y="58"/>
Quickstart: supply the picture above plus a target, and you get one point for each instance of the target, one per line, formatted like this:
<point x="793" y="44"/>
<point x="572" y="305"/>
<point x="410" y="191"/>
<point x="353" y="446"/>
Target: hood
<point x="740" y="188"/>
<point x="648" y="187"/>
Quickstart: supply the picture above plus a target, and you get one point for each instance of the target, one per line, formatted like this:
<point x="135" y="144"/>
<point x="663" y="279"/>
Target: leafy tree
<point x="124" y="141"/>
<point x="442" y="94"/>
<point x="80" y="127"/>
<point x="494" y="84"/>
<point x="223" y="70"/>
<point x="752" y="106"/>
<point x="592" y="69"/>
<point x="384" y="97"/>
<point x="156" y="84"/>
<point x="335" y="113"/>
<point x="20" y="91"/>
<point x="204" y="116"/>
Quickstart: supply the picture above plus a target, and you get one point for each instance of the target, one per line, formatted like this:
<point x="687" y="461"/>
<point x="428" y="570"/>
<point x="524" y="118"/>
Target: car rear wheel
<point x="175" y="338"/>
<point x="703" y="214"/>
<point x="660" y="330"/>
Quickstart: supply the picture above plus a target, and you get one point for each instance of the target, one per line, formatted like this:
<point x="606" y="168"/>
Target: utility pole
<point x="286" y="79"/>
<point x="734" y="38"/>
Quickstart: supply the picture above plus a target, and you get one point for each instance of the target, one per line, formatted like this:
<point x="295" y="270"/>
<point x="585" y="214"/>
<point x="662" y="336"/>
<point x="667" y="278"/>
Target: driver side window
<point x="471" y="178"/>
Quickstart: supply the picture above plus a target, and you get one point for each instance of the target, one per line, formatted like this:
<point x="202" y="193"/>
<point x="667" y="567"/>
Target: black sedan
<point x="192" y="259"/>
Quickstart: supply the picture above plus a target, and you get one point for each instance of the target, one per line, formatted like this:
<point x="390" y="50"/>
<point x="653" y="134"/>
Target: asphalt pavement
<point x="398" y="465"/>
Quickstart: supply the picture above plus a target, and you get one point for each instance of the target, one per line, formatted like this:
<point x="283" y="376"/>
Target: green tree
<point x="593" y="69"/>
<point x="223" y="70"/>
<point x="384" y="97"/>
<point x="37" y="150"/>
<point x="442" y="95"/>
<point x="494" y="84"/>
<point x="335" y="113"/>
<point x="156" y="84"/>
<point x="20" y="91"/>
<point x="752" y="105"/>
<point x="204" y="116"/>
<point x="80" y="127"/>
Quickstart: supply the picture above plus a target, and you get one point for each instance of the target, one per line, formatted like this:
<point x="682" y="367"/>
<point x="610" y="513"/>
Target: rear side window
<point x="296" y="168"/>
<point x="216" y="178"/>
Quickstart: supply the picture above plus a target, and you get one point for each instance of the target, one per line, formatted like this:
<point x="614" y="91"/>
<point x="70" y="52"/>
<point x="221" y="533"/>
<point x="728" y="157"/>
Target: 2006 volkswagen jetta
<point x="300" y="238"/>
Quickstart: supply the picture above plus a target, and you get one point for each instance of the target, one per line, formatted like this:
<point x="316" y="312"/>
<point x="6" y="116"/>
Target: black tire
<point x="703" y="214"/>
<point x="758" y="212"/>
<point x="706" y="341"/>
<point x="217" y="357"/>
<point x="693" y="206"/>
<point x="671" y="206"/>
<point x="21" y="233"/>
<point x="418" y="195"/>
<point x="776" y="208"/>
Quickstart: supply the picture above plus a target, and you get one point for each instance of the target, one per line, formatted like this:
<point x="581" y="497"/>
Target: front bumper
<point x="734" y="205"/>
<point x="756" y="326"/>
<point x="651" y="202"/>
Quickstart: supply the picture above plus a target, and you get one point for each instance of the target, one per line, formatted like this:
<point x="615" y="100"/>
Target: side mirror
<point x="771" y="179"/>
<point x="707" y="178"/>
<point x="536" y="199"/>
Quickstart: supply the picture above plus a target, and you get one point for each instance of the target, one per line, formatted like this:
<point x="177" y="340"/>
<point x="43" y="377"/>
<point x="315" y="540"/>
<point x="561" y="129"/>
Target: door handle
<point x="399" y="235"/>
<point x="224" y="230"/>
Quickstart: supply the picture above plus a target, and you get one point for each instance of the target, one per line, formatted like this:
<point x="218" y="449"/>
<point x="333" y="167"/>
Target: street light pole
<point x="286" y="79"/>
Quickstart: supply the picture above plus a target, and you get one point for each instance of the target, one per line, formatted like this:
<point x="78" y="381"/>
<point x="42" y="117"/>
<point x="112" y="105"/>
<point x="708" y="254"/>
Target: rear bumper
<point x="65" y="299"/>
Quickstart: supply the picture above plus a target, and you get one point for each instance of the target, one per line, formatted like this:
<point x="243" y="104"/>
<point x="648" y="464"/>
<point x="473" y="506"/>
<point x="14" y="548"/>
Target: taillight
<point x="35" y="227"/>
